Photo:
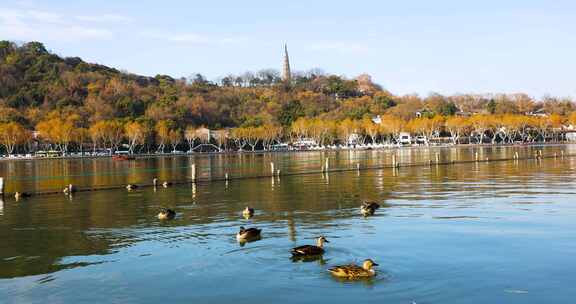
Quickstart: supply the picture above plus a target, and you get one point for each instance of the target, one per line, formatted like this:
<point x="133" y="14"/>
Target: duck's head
<point x="321" y="240"/>
<point x="368" y="264"/>
<point x="242" y="229"/>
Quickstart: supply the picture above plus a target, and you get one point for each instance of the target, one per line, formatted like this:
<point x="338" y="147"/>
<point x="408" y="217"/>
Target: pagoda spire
<point x="286" y="74"/>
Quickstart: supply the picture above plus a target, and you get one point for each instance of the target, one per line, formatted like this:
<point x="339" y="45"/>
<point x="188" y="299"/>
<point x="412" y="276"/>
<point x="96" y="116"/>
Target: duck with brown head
<point x="353" y="271"/>
<point x="166" y="214"/>
<point x="248" y="212"/>
<point x="368" y="208"/>
<point x="248" y="234"/>
<point x="309" y="250"/>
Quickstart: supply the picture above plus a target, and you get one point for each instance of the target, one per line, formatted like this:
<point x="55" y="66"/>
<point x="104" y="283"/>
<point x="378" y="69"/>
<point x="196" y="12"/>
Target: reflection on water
<point x="470" y="233"/>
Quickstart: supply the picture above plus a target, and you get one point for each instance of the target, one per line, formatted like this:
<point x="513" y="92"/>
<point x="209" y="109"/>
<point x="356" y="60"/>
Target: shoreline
<point x="186" y="154"/>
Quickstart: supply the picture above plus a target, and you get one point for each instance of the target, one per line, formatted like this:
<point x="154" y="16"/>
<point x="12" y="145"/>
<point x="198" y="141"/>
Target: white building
<point x="405" y="138"/>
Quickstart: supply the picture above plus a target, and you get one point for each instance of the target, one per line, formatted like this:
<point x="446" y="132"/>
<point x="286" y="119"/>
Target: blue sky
<point x="420" y="47"/>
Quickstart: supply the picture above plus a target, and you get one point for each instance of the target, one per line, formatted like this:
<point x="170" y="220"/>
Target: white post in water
<point x="193" y="173"/>
<point x="476" y="156"/>
<point x="562" y="153"/>
<point x="357" y="166"/>
<point x="437" y="158"/>
<point x="327" y="165"/>
<point x="278" y="172"/>
<point x="272" y="168"/>
<point x="226" y="176"/>
<point x="1" y="186"/>
<point x="516" y="155"/>
<point x="394" y="161"/>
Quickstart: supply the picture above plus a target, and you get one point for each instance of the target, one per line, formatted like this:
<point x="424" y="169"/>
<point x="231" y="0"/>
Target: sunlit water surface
<point x="501" y="232"/>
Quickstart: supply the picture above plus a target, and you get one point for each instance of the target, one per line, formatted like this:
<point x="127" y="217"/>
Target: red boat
<point x="122" y="157"/>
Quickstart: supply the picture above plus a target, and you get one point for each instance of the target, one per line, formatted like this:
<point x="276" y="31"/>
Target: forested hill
<point x="35" y="83"/>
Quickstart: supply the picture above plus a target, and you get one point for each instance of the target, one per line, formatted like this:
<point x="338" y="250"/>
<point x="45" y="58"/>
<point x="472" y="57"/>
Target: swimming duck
<point x="131" y="187"/>
<point x="166" y="184"/>
<point x="69" y="190"/>
<point x="354" y="271"/>
<point x="307" y="250"/>
<point x="166" y="214"/>
<point x="19" y="195"/>
<point x="368" y="208"/>
<point x="248" y="234"/>
<point x="248" y="212"/>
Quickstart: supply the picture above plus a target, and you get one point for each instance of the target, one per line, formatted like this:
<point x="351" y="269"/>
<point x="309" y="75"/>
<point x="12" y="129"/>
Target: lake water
<point x="495" y="232"/>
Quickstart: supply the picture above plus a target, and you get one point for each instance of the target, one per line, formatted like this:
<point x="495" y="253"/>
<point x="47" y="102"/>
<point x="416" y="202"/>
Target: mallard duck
<point x="354" y="271"/>
<point x="248" y="212"/>
<point x="368" y="208"/>
<point x="310" y="249"/>
<point x="248" y="234"/>
<point x="19" y="195"/>
<point x="166" y="214"/>
<point x="166" y="184"/>
<point x="131" y="187"/>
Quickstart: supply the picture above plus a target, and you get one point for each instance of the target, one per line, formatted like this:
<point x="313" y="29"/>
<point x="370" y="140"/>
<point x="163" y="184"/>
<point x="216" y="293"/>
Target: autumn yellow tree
<point x="572" y="119"/>
<point x="174" y="138"/>
<point x="457" y="126"/>
<point x="136" y="134"/>
<point x="393" y="126"/>
<point x="269" y="134"/>
<point x="190" y="135"/>
<point x="221" y="137"/>
<point x="81" y="135"/>
<point x="480" y="125"/>
<point x="13" y="134"/>
<point x="346" y="128"/>
<point x="322" y="131"/>
<point x="58" y="130"/>
<point x="97" y="134"/>
<point x="114" y="134"/>
<point x="371" y="129"/>
<point x="300" y="128"/>
<point x="162" y="132"/>
<point x="108" y="133"/>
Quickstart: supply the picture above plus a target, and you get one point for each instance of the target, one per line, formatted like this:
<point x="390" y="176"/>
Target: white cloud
<point x="19" y="24"/>
<point x="42" y="16"/>
<point x="342" y="47"/>
<point x="25" y="3"/>
<point x="190" y="38"/>
<point x="105" y="18"/>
